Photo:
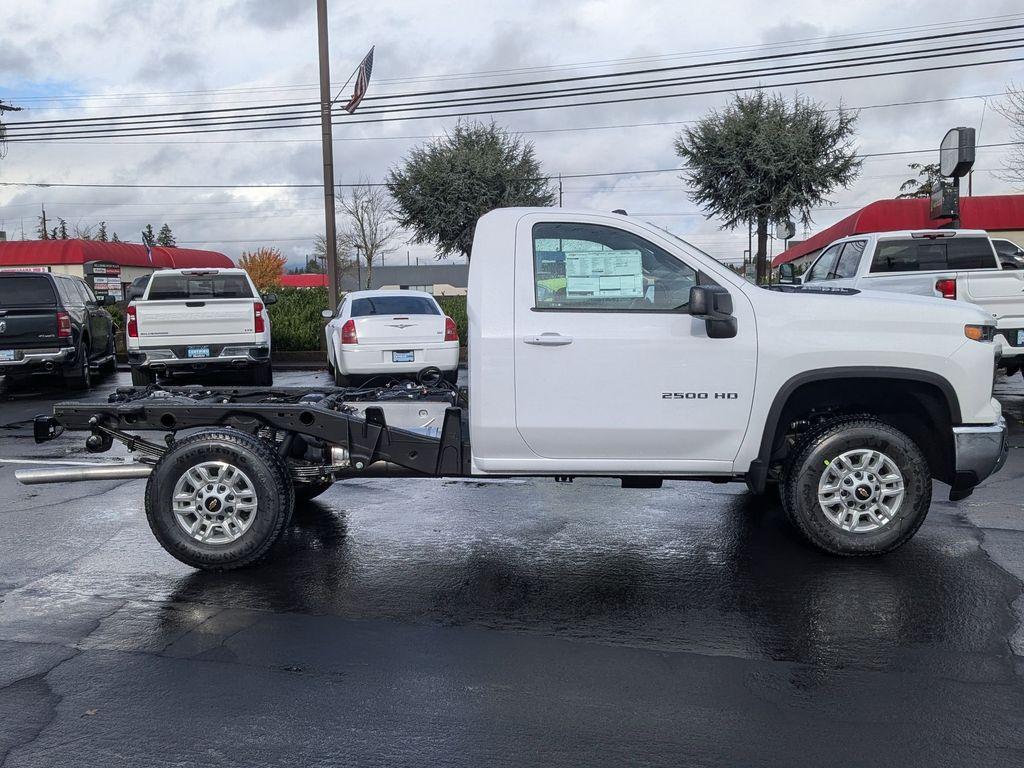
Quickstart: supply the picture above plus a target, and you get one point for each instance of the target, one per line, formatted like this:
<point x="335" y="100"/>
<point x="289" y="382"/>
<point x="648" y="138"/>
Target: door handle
<point x="548" y="340"/>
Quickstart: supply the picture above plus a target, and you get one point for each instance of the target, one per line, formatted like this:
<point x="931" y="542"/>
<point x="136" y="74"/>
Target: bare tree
<point x="83" y="231"/>
<point x="371" y="226"/>
<point x="346" y="264"/>
<point x="1012" y="108"/>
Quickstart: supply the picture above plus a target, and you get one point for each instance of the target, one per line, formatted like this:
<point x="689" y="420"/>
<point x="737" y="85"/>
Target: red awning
<point x="992" y="212"/>
<point x="17" y="253"/>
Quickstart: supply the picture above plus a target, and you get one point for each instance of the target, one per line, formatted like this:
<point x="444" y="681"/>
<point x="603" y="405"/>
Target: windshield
<point x="394" y="305"/>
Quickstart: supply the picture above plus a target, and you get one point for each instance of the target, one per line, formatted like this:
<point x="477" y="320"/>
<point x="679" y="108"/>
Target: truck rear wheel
<point x="263" y="375"/>
<point x="142" y="377"/>
<point x="81" y="375"/>
<point x="857" y="486"/>
<point x="219" y="499"/>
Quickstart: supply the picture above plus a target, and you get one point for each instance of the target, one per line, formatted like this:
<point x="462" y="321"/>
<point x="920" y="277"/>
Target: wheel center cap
<point x="212" y="504"/>
<point x="863" y="493"/>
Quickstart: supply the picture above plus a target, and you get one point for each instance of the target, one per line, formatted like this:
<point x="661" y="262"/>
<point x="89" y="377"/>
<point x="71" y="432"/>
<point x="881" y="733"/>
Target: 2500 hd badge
<point x="700" y="396"/>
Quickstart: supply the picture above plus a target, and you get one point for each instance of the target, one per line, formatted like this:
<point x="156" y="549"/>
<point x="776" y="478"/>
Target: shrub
<point x="295" y="321"/>
<point x="455" y="308"/>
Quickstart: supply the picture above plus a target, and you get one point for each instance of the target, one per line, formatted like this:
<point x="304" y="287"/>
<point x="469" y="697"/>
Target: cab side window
<point x="825" y="264"/>
<point x="594" y="267"/>
<point x="849" y="260"/>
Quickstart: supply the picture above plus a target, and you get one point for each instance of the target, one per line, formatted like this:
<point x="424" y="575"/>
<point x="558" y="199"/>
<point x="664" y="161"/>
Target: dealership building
<point x="1001" y="216"/>
<point x="107" y="267"/>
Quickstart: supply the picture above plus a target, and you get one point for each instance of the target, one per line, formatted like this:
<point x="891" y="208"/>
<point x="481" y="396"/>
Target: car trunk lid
<point x="399" y="331"/>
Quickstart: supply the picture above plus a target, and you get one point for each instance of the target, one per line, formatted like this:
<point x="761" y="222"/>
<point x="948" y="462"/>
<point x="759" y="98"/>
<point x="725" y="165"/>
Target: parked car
<point x="53" y="325"/>
<point x="396" y="333"/>
<point x="958" y="264"/>
<point x="198" y="320"/>
<point x="1011" y="255"/>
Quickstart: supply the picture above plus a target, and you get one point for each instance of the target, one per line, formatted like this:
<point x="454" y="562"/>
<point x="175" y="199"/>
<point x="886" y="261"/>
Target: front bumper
<point x="221" y="356"/>
<point x="36" y="361"/>
<point x="980" y="451"/>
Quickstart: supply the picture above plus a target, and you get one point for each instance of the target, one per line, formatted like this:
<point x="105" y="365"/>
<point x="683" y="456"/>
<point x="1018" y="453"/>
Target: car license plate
<point x="403" y="357"/>
<point x="1020" y="338"/>
<point x="6" y="355"/>
<point x="192" y="352"/>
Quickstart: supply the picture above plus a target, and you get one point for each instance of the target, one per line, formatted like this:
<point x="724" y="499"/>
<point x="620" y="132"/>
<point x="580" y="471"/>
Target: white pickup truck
<point x="197" y="321"/>
<point x="598" y="346"/>
<point x="958" y="264"/>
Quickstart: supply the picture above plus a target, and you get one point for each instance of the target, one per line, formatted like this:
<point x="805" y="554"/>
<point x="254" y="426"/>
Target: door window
<point x="825" y="264"/>
<point x="849" y="260"/>
<point x="594" y="267"/>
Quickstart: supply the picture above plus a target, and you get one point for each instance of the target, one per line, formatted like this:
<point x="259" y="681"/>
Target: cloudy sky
<point x="87" y="58"/>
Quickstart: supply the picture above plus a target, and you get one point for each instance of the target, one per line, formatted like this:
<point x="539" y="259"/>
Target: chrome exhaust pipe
<point x="82" y="474"/>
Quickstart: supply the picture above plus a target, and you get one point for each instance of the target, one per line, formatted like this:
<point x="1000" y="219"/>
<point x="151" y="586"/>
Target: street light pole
<point x="327" y="141"/>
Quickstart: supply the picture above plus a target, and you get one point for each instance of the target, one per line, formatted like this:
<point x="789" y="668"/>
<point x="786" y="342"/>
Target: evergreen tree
<point x="41" y="232"/>
<point x="165" y="237"/>
<point x="101" y="233"/>
<point x="148" y="238"/>
<point x="115" y="238"/>
<point x="61" y="230"/>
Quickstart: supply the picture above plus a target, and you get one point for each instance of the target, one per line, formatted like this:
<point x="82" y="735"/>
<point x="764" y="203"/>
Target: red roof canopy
<point x="18" y="253"/>
<point x="992" y="212"/>
<point x="303" y="281"/>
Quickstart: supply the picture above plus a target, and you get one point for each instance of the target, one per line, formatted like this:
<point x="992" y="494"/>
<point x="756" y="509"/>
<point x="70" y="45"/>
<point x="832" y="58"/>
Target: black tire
<point x="81" y="375"/>
<point x="142" y="377"/>
<point x="340" y="379"/>
<point x="308" y="491"/>
<point x="271" y="486"/>
<point x="823" y="446"/>
<point x="263" y="375"/>
<point x="452" y="377"/>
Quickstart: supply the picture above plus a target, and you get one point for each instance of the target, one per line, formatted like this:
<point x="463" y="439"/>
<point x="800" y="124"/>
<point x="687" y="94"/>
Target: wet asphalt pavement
<point x="432" y="622"/>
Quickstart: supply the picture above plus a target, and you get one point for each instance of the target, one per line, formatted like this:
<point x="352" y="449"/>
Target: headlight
<point x="980" y="332"/>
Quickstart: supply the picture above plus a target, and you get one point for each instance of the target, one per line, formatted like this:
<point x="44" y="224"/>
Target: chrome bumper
<point x="166" y="359"/>
<point x="980" y="451"/>
<point x="48" y="358"/>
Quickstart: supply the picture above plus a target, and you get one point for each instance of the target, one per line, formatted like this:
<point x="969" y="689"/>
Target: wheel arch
<point x="927" y="396"/>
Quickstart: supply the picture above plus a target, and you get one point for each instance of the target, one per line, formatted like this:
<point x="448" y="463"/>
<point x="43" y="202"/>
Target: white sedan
<point x="390" y="333"/>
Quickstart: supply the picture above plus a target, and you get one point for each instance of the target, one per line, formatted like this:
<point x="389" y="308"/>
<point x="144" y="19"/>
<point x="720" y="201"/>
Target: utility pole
<point x="327" y="140"/>
<point x="45" y="233"/>
<point x="559" y="190"/>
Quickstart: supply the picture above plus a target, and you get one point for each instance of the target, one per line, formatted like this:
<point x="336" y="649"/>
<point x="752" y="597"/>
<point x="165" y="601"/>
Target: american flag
<point x="362" y="83"/>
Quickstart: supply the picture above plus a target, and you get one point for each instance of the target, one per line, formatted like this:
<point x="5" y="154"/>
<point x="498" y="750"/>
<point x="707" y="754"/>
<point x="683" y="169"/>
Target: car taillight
<point x="348" y="333"/>
<point x="451" y="331"/>
<point x="131" y="317"/>
<point x="63" y="325"/>
<point x="259" y="325"/>
<point x="947" y="288"/>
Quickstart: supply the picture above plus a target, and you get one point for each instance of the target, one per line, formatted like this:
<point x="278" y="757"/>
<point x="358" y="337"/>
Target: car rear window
<point x="922" y="255"/>
<point x="26" y="291"/>
<point x="168" y="287"/>
<point x="393" y="305"/>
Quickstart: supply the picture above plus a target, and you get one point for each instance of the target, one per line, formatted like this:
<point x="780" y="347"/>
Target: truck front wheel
<point x="219" y="499"/>
<point x="857" y="486"/>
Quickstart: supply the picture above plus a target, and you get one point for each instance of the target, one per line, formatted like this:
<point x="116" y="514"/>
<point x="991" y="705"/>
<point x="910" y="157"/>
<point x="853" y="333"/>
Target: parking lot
<point x="419" y="622"/>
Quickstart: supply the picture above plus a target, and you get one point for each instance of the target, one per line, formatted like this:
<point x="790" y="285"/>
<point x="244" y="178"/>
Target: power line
<point x="587" y="175"/>
<point x="388" y="98"/>
<point x="650" y="97"/>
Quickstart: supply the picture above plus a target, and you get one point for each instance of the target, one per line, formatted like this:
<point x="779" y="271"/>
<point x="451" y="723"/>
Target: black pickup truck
<point x="53" y="325"/>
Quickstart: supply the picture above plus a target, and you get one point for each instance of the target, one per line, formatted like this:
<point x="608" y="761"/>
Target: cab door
<point x="609" y="364"/>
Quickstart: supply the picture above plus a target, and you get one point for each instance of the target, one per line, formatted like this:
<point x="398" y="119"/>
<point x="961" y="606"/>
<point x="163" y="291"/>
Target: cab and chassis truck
<point x="599" y="346"/>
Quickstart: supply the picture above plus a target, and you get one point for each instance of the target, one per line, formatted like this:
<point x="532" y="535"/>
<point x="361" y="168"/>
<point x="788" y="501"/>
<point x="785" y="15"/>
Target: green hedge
<point x="295" y="321"/>
<point x="296" y="324"/>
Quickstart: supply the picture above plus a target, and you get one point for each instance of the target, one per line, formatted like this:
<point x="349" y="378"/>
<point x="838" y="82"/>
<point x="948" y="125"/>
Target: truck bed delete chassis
<point x="320" y="414"/>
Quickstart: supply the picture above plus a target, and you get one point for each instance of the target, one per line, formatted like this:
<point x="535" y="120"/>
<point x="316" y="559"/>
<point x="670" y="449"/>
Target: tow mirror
<point x="270" y="298"/>
<point x="327" y="314"/>
<point x="713" y="304"/>
<point x="787" y="275"/>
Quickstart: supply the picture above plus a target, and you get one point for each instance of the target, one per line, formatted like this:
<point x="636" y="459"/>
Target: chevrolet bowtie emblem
<point x="3" y="326"/>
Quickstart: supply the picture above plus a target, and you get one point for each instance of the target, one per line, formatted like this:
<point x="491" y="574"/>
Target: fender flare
<point x="757" y="475"/>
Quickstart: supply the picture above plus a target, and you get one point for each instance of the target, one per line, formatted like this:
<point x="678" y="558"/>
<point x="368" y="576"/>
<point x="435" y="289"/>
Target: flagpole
<point x="331" y="227"/>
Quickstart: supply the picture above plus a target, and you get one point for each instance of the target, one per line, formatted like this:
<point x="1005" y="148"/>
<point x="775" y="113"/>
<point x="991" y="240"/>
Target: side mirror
<point x="327" y="314"/>
<point x="713" y="304"/>
<point x="270" y="298"/>
<point x="109" y="300"/>
<point x="787" y="275"/>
